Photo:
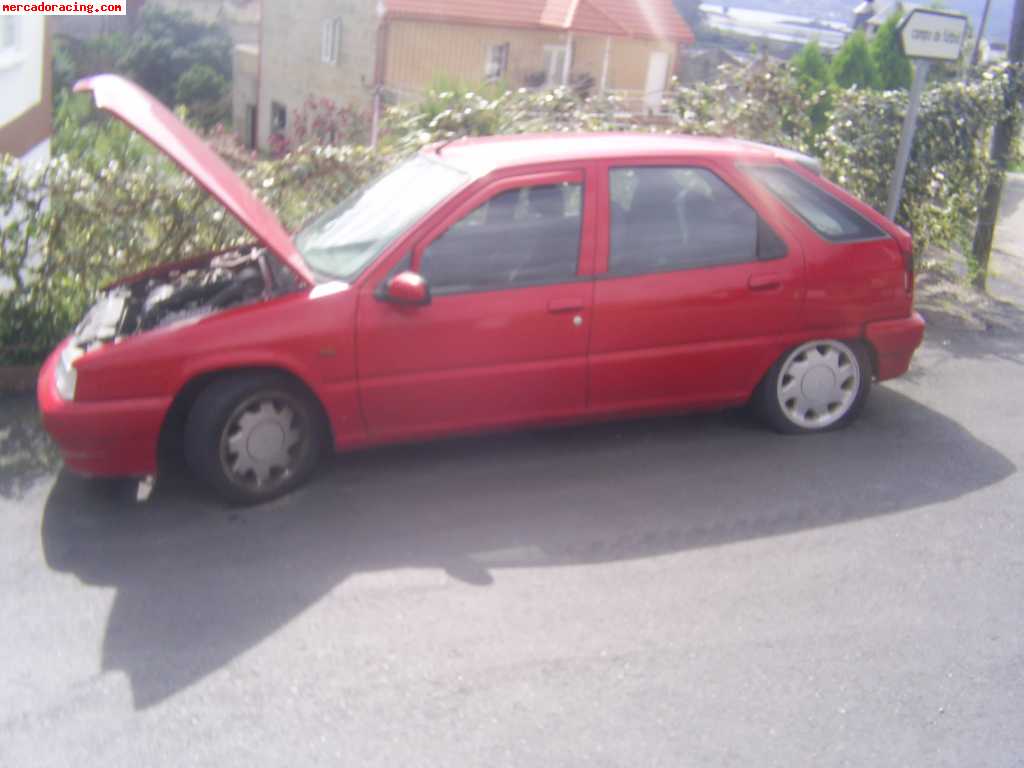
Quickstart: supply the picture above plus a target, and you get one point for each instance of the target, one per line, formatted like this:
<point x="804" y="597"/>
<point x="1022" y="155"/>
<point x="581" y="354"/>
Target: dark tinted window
<point x="678" y="218"/>
<point x="523" y="236"/>
<point x="827" y="216"/>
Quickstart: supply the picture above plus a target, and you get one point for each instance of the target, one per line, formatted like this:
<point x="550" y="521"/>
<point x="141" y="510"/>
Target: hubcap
<point x="263" y="441"/>
<point x="818" y="384"/>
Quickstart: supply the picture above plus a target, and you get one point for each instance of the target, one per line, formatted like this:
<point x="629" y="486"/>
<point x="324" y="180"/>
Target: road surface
<point x="676" y="592"/>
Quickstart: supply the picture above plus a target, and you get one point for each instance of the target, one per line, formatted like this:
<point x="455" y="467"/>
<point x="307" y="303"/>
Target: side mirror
<point x="407" y="288"/>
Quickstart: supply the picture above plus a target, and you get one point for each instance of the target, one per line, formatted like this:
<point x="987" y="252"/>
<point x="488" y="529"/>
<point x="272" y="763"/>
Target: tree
<point x="204" y="92"/>
<point x="853" y="64"/>
<point x="170" y="43"/>
<point x="894" y="70"/>
<point x="814" y="82"/>
<point x="809" y="64"/>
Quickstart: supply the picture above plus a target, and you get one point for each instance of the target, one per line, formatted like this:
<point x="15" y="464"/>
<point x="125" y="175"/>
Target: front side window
<point x="826" y="215"/>
<point x="342" y="241"/>
<point x="667" y="218"/>
<point x="523" y="236"/>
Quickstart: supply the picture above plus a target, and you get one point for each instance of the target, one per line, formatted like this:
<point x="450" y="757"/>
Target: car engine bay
<point x="204" y="287"/>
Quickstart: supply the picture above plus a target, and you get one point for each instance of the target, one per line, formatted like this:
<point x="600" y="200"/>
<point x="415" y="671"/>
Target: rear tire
<point x="815" y="387"/>
<point x="253" y="437"/>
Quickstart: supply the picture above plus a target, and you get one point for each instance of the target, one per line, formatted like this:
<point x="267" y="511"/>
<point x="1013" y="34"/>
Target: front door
<point x="250" y="126"/>
<point x="657" y="75"/>
<point x="504" y="337"/>
<point x="697" y="294"/>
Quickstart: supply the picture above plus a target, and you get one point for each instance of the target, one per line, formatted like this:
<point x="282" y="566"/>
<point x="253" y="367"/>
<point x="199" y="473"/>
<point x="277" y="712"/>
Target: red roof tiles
<point x="651" y="19"/>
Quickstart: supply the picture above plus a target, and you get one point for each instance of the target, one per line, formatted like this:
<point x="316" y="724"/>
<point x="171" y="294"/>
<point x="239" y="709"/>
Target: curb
<point x="18" y="379"/>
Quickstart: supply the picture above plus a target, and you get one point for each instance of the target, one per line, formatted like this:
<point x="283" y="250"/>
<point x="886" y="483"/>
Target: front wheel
<point x="253" y="437"/>
<point x="818" y="386"/>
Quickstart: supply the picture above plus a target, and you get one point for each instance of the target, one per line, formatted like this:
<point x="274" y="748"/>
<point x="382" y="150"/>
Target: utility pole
<point x="1006" y="132"/>
<point x="976" y="56"/>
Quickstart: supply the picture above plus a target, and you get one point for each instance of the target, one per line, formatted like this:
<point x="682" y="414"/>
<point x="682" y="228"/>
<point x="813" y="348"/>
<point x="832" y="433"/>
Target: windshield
<point x="343" y="240"/>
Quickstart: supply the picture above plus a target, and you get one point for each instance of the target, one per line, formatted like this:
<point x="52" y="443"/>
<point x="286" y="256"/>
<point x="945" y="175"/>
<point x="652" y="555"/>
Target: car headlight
<point x="67" y="375"/>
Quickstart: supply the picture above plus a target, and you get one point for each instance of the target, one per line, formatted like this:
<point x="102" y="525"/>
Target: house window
<point x="8" y="34"/>
<point x="497" y="61"/>
<point x="330" y="41"/>
<point x="278" y="117"/>
<point x="554" y="64"/>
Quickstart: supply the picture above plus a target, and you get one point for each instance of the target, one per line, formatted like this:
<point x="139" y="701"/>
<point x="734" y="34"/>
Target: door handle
<point x="768" y="282"/>
<point x="556" y="306"/>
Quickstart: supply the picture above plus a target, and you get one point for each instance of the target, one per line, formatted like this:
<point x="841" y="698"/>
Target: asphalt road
<point x="678" y="592"/>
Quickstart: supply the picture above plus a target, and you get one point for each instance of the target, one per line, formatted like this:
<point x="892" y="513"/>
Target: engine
<point x="225" y="280"/>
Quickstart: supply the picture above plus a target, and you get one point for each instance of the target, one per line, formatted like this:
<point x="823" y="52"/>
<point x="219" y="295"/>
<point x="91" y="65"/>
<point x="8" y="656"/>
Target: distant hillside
<point x="842" y="10"/>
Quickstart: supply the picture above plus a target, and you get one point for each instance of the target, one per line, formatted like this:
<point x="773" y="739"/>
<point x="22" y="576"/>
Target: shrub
<point x="108" y="204"/>
<point x="762" y="102"/>
<point x="326" y="123"/>
<point x="949" y="163"/>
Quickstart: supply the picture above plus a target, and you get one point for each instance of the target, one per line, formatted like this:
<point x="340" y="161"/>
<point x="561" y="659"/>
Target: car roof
<point x="486" y="154"/>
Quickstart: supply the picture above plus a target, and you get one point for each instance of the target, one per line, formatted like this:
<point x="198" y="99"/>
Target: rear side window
<point x="672" y="218"/>
<point x="823" y="213"/>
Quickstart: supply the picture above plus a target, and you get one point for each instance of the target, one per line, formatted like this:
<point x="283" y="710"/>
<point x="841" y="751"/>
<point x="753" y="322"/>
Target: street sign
<point x="933" y="35"/>
<point x="926" y="36"/>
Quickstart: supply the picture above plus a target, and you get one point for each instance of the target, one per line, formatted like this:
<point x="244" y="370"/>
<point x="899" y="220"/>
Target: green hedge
<point x="108" y="204"/>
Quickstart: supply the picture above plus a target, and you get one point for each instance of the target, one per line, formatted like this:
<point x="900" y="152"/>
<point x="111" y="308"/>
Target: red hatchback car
<point x="484" y="284"/>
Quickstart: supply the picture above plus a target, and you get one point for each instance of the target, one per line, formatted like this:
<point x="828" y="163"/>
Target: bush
<point x="949" y="163"/>
<point x="108" y="204"/>
<point x="326" y="123"/>
<point x="763" y="102"/>
<point x="89" y="218"/>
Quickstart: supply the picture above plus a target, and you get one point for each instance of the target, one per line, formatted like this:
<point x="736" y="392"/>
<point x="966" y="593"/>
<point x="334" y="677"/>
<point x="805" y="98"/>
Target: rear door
<point x="694" y="292"/>
<point x="504" y="338"/>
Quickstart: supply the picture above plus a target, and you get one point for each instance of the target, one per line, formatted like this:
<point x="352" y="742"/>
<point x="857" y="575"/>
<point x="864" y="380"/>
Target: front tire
<point x="816" y="387"/>
<point x="253" y="437"/>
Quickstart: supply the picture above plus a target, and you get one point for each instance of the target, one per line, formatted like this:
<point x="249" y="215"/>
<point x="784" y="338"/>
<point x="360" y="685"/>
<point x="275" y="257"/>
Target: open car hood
<point x="145" y="114"/>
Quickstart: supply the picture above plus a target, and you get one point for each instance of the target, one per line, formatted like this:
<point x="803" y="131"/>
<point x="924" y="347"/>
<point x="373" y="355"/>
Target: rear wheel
<point x="818" y="386"/>
<point x="253" y="437"/>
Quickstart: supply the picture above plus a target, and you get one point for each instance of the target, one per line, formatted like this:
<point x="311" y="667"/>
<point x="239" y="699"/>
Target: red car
<point x="485" y="284"/>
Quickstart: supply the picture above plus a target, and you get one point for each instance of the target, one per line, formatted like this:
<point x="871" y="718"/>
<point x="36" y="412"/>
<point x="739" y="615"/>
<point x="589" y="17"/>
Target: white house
<point x="26" y="110"/>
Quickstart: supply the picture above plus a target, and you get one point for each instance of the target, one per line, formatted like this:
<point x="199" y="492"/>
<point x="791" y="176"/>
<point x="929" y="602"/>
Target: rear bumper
<point x="108" y="439"/>
<point x="895" y="342"/>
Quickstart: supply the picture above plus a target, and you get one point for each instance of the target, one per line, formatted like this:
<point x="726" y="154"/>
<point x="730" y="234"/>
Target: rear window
<point x="823" y="213"/>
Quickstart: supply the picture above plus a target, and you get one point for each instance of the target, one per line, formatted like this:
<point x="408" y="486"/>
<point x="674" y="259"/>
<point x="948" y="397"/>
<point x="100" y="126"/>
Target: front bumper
<point x="894" y="342"/>
<point x="110" y="438"/>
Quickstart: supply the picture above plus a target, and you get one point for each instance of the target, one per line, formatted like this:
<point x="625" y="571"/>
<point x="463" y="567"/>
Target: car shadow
<point x="197" y="584"/>
<point x="27" y="455"/>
